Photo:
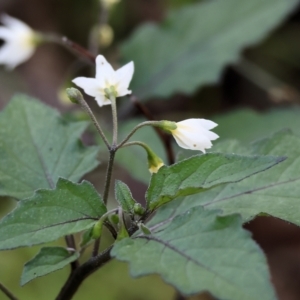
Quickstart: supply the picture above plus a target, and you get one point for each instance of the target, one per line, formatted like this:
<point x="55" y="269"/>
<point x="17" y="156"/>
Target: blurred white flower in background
<point x="107" y="81"/>
<point x="20" y="41"/>
<point x="195" y="134"/>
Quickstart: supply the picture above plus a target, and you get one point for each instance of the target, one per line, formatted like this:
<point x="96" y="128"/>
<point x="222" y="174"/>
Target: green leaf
<point x="193" y="44"/>
<point x="275" y="192"/>
<point x="201" y="251"/>
<point x="200" y="172"/>
<point x="51" y="214"/>
<point x="48" y="260"/>
<point x="38" y="146"/>
<point x="124" y="196"/>
<point x="253" y="125"/>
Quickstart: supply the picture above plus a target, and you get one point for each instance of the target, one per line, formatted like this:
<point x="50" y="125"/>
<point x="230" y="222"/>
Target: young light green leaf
<point x="124" y="196"/>
<point x="200" y="251"/>
<point x="200" y="172"/>
<point x="207" y="36"/>
<point x="275" y="192"/>
<point x="38" y="146"/>
<point x="51" y="214"/>
<point x="48" y="260"/>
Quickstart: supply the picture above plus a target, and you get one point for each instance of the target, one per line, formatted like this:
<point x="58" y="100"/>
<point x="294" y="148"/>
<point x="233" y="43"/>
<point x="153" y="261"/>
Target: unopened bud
<point x="114" y="219"/>
<point x="74" y="95"/>
<point x="97" y="230"/>
<point x="138" y="209"/>
<point x="144" y="229"/>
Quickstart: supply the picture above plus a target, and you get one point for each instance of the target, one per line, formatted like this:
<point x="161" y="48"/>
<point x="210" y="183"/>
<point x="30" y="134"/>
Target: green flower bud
<point x="74" y="95"/>
<point x="114" y="219"/>
<point x="97" y="229"/>
<point x="138" y="209"/>
<point x="144" y="229"/>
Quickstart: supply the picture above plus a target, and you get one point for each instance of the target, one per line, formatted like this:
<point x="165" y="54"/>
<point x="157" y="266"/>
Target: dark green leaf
<point x="48" y="260"/>
<point x="275" y="192"/>
<point x="253" y="125"/>
<point x="200" y="172"/>
<point x="201" y="251"/>
<point x="124" y="196"/>
<point x="51" y="214"/>
<point x="192" y="46"/>
<point x="37" y="147"/>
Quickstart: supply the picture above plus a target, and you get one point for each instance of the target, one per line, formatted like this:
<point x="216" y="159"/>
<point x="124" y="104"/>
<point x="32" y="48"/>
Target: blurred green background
<point x="255" y="94"/>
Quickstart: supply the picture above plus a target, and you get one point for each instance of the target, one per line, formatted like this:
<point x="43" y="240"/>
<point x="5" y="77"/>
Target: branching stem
<point x="86" y="107"/>
<point x="146" y="123"/>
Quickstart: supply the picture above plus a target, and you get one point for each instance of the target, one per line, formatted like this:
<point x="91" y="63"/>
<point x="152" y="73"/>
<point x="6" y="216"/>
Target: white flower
<point x="194" y="134"/>
<point x="106" y="79"/>
<point x="20" y="42"/>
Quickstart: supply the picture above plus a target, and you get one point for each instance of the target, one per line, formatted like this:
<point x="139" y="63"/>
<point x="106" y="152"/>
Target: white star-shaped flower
<point x="195" y="134"/>
<point x="20" y="42"/>
<point x="107" y="79"/>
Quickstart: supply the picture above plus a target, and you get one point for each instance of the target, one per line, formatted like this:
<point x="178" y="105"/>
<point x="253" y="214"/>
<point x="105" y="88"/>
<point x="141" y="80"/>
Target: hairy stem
<point x="165" y="138"/>
<point x="70" y="241"/>
<point x="78" y="276"/>
<point x="146" y="123"/>
<point x="93" y="264"/>
<point x="7" y="292"/>
<point x="109" y="170"/>
<point x="86" y="107"/>
<point x="115" y="120"/>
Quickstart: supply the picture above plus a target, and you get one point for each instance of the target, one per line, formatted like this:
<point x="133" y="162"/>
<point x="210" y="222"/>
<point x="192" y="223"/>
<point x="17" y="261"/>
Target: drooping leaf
<point x="192" y="46"/>
<point x="38" y="146"/>
<point x="48" y="260"/>
<point x="51" y="214"/>
<point x="201" y="251"/>
<point x="200" y="172"/>
<point x="124" y="196"/>
<point x="275" y="192"/>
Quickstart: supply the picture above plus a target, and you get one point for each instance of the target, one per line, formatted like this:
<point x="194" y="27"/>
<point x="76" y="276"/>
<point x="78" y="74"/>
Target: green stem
<point x="98" y="241"/>
<point x="109" y="170"/>
<point x="108" y="174"/>
<point x="146" y="123"/>
<point x="7" y="292"/>
<point x="86" y="107"/>
<point x="137" y="144"/>
<point x="115" y="120"/>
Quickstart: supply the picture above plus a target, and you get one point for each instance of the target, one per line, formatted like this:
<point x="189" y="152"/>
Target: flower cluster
<point x="193" y="134"/>
<point x="20" y="42"/>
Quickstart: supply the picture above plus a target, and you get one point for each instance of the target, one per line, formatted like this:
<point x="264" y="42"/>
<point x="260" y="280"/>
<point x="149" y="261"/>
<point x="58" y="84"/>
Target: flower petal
<point x="123" y="77"/>
<point x="11" y="55"/>
<point x="89" y="85"/>
<point x="191" y="134"/>
<point x="208" y="124"/>
<point x="105" y="74"/>
<point x="5" y="33"/>
<point x="102" y="100"/>
<point x="14" y="24"/>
